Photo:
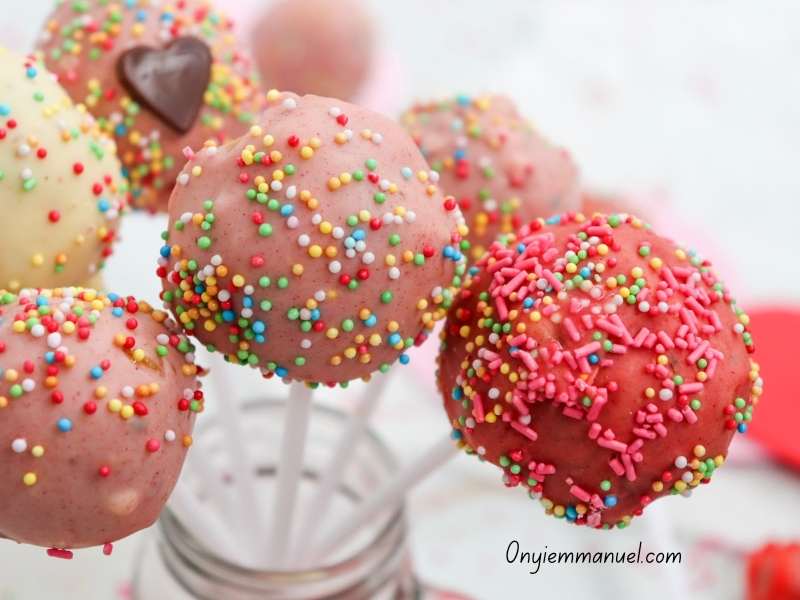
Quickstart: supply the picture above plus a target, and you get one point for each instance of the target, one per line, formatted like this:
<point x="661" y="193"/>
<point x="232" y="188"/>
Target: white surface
<point x="692" y="103"/>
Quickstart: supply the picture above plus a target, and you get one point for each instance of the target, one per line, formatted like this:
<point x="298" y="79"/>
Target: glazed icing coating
<point x="61" y="188"/>
<point x="310" y="47"/>
<point x="317" y="246"/>
<point x="598" y="365"/>
<point x="500" y="169"/>
<point x="98" y="395"/>
<point x="83" y="43"/>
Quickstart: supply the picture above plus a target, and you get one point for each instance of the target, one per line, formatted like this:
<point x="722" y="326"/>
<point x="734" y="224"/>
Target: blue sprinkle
<point x="527" y="303"/>
<point x="41" y="301"/>
<point x="358" y="234"/>
<point x="228" y="316"/>
<point x="315" y="314"/>
<point x="117" y="311"/>
<point x="165" y="250"/>
<point x="585" y="272"/>
<point x="50" y="357"/>
<point x="458" y="393"/>
<point x="260" y="338"/>
<point x="64" y="424"/>
<point x="406" y="172"/>
<point x="460" y="154"/>
<point x="286" y="210"/>
<point x="554" y="220"/>
<point x="404" y="358"/>
<point x="281" y="372"/>
<point x="120" y="129"/>
<point x="456" y="434"/>
<point x="395" y="339"/>
<point x="31" y="72"/>
<point x="462" y="99"/>
<point x="96" y="372"/>
<point x="457" y="256"/>
<point x="349" y="242"/>
<point x="448" y="252"/>
<point x="371" y="321"/>
<point x="103" y="205"/>
<point x="130" y="3"/>
<point x="247" y="302"/>
<point x="513" y="350"/>
<point x="4" y="109"/>
<point x="199" y="289"/>
<point x="473" y="270"/>
<point x="113" y="297"/>
<point x="594" y="359"/>
<point x="610" y="501"/>
<point x="742" y="428"/>
<point x="572" y="513"/>
<point x="141" y="15"/>
<point x="259" y="327"/>
<point x="521" y="248"/>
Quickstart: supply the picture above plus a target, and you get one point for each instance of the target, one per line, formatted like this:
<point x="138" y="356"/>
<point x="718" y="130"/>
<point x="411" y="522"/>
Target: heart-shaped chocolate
<point x="169" y="82"/>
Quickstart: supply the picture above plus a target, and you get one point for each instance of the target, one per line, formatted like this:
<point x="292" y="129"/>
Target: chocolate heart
<point x="169" y="82"/>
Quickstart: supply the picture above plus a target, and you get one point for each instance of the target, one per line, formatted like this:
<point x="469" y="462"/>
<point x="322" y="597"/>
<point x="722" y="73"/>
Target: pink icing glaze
<point x="316" y="247"/>
<point x="97" y="402"/>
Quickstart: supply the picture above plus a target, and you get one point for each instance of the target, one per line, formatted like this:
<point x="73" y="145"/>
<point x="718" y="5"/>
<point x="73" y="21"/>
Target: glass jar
<point x="173" y="565"/>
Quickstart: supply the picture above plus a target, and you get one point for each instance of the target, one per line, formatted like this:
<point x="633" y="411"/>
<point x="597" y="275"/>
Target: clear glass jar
<point x="173" y="565"/>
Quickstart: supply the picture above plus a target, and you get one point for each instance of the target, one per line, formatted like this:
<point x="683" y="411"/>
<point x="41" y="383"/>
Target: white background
<point x="689" y="109"/>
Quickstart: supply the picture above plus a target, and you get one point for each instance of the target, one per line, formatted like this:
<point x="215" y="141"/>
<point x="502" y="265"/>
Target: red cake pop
<point x="599" y="365"/>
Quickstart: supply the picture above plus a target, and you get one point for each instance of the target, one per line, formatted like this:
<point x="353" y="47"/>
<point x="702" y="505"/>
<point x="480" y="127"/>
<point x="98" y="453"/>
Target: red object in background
<point x="777" y="414"/>
<point x="773" y="573"/>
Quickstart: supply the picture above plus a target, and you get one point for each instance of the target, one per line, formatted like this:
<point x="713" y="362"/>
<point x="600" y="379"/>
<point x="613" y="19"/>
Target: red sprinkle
<point x="56" y="553"/>
<point x="104" y="471"/>
<point x="153" y="445"/>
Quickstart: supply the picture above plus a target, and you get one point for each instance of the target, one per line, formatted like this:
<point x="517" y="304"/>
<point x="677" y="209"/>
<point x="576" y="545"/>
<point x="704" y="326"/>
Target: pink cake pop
<point x="98" y="395"/>
<point x="502" y="172"/>
<point x="599" y="365"/>
<point x="158" y="76"/>
<point x="317" y="246"/>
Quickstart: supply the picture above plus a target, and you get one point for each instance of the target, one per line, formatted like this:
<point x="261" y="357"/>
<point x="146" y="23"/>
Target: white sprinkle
<point x="304" y="240"/>
<point x="247" y="313"/>
<point x="169" y="435"/>
<point x="292" y="222"/>
<point x="368" y="258"/>
<point x="316" y="219"/>
<point x="183" y="178"/>
<point x="384" y="184"/>
<point x="224" y="295"/>
<point x="433" y="176"/>
<point x="665" y="394"/>
<point x="335" y="112"/>
<point x="320" y="295"/>
<point x="54" y="340"/>
<point x="350" y="253"/>
<point x="248" y="290"/>
<point x="663" y="307"/>
<point x="305" y="314"/>
<point x="481" y="450"/>
<point x="211" y="151"/>
<point x="738" y="328"/>
<point x="26" y="174"/>
<point x="411" y="216"/>
<point x="394" y="273"/>
<point x="437" y="291"/>
<point x="208" y="270"/>
<point x="387" y="218"/>
<point x="377" y="138"/>
<point x="337" y="233"/>
<point x="276" y="186"/>
<point x="162" y="338"/>
<point x="525" y="419"/>
<point x="398" y="220"/>
<point x="644" y="306"/>
<point x="494" y="393"/>
<point x="23" y="150"/>
<point x="186" y="217"/>
<point x="38" y="330"/>
<point x="291" y="191"/>
<point x="28" y="385"/>
<point x="470" y="423"/>
<point x="216" y="260"/>
<point x="335" y="267"/>
<point x="305" y="344"/>
<point x="19" y="445"/>
<point x="348" y="133"/>
<point x="687" y="477"/>
<point x="289" y="103"/>
<point x="188" y="393"/>
<point x="127" y="392"/>
<point x="361" y="245"/>
<point x="681" y="462"/>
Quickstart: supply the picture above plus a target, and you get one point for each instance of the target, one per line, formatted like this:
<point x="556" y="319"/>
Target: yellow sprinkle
<point x="393" y="326"/>
<point x="699" y="450"/>
<point x="315" y="251"/>
<point x="332" y="333"/>
<point x="336" y="360"/>
<point x="278" y="175"/>
<point x="375" y="339"/>
<point x="238" y="280"/>
<point x="340" y="138"/>
<point x="255" y="131"/>
<point x="680" y="485"/>
<point x="408" y="256"/>
<point x="100" y="392"/>
<point x="655" y="263"/>
<point x="662" y="359"/>
<point x="37" y="451"/>
<point x="115" y="405"/>
<point x="3" y="401"/>
<point x="275" y="156"/>
<point x="126" y="412"/>
<point x="650" y="392"/>
<point x="334" y="183"/>
<point x="602" y="249"/>
<point x="138" y="355"/>
<point x="273" y="96"/>
<point x="366" y="134"/>
<point x="297" y="269"/>
<point x="491" y="418"/>
<point x="657" y="486"/>
<point x="535" y="316"/>
<point x="11" y="375"/>
<point x="350" y="352"/>
<point x="422" y="176"/>
<point x="306" y="152"/>
<point x="29" y="478"/>
<point x="247" y="157"/>
<point x="422" y="304"/>
<point x="37" y="260"/>
<point x="364" y="216"/>
<point x="637" y="272"/>
<point x="314" y="143"/>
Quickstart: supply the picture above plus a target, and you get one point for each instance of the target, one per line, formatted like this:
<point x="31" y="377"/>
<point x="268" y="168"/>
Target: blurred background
<point x="688" y="111"/>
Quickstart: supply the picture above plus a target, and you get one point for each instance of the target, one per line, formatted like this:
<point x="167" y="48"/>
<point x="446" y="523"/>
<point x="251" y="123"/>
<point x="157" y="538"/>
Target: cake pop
<point x="158" y="76"/>
<point x="502" y="172"/>
<point x="599" y="365"/>
<point x="61" y="191"/>
<point x="316" y="247"/>
<point x="311" y="47"/>
<point x="98" y="396"/>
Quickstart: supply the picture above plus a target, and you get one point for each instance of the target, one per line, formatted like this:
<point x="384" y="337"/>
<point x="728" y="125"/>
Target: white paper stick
<point x="249" y="516"/>
<point x="336" y="468"/>
<point x="662" y="529"/>
<point x="290" y="471"/>
<point x="204" y="524"/>
<point x="387" y="497"/>
<point x="210" y="484"/>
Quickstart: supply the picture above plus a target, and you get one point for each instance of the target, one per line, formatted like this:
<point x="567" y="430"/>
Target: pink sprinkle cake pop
<point x="502" y="172"/>
<point x="61" y="191"/>
<point x="316" y="247"/>
<point x="311" y="47"/>
<point x="159" y="76"/>
<point x="598" y="365"/>
<point x="98" y="396"/>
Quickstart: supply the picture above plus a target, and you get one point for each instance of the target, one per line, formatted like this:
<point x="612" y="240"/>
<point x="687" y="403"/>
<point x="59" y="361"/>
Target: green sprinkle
<point x="265" y="229"/>
<point x="605" y="485"/>
<point x="283" y="283"/>
<point x="386" y="297"/>
<point x="348" y="325"/>
<point x="371" y="164"/>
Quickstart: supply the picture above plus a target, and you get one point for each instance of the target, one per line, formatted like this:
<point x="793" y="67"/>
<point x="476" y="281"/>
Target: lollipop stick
<point x="662" y="530"/>
<point x="337" y="466"/>
<point x="210" y="484"/>
<point x="290" y="471"/>
<point x="204" y="524"/>
<point x="388" y="497"/>
<point x="250" y="521"/>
